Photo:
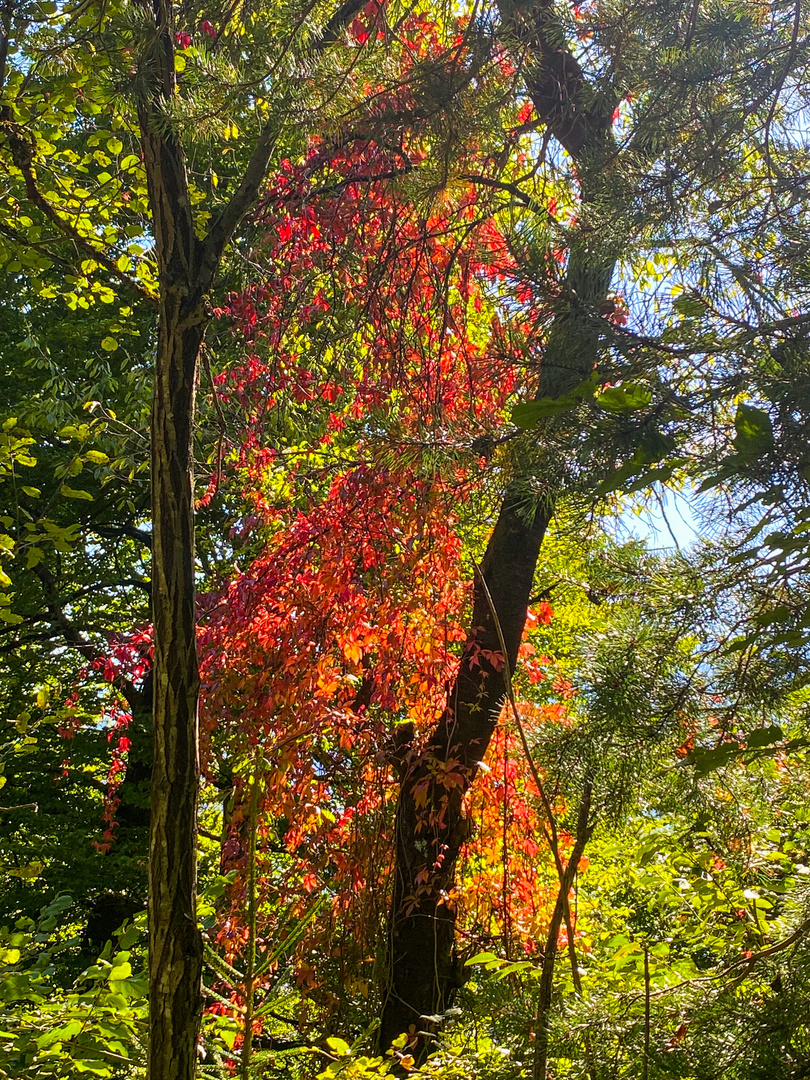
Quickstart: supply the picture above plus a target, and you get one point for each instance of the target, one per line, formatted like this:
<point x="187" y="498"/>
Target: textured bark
<point x="187" y="266"/>
<point x="175" y="945"/>
<point x="431" y="827"/>
<point x="423" y="967"/>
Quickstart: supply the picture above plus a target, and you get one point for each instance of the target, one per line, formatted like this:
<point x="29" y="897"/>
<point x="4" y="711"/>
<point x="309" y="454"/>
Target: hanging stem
<point x="250" y="973"/>
<point x="505" y="845"/>
<point x="645" y="1065"/>
<point x="566" y="874"/>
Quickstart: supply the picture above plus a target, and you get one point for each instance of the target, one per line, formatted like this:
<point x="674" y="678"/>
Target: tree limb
<point x="577" y="116"/>
<point x="247" y="193"/>
<point x="22" y="156"/>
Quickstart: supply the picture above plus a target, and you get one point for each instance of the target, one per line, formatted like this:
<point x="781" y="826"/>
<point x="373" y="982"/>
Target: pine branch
<point x="247" y="193"/>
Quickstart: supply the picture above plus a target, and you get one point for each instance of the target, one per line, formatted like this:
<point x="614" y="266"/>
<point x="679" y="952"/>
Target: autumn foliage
<point x="332" y="650"/>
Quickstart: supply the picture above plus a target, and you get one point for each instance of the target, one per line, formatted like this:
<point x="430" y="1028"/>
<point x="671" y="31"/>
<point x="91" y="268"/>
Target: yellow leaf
<point x="75" y="493"/>
<point x="29" y="872"/>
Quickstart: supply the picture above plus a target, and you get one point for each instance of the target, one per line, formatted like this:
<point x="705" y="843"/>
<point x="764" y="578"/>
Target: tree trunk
<point x="423" y="968"/>
<point x="133" y="808"/>
<point x="175" y="945"/>
<point x="431" y="827"/>
<point x="187" y="267"/>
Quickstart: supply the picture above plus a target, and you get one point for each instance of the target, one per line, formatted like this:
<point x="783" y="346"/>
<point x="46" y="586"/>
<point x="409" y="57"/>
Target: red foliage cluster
<point x="381" y="352"/>
<point x="382" y="330"/>
<point x="127" y="660"/>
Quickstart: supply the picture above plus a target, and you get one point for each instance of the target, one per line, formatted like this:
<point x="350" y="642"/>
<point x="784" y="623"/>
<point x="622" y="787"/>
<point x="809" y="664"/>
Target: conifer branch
<point x="577" y="115"/>
<point x="247" y="192"/>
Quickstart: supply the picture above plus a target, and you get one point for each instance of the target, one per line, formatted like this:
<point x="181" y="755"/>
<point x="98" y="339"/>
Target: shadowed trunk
<point x="424" y="969"/>
<point x="175" y="944"/>
<point x="431" y="826"/>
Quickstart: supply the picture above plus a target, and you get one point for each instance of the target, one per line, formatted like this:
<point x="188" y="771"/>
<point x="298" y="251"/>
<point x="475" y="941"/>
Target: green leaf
<point x="27" y="873"/>
<point x="109" y="344"/>
<point x="654" y="445"/>
<point x="706" y="761"/>
<point x="120" y="971"/>
<point x="75" y="493"/>
<point x="689" y="306"/>
<point x="626" y="398"/>
<point x="527" y="413"/>
<point x="228" y="1036"/>
<point x="765" y="736"/>
<point x="94" y="1066"/>
<point x="115" y="146"/>
<point x="34" y="556"/>
<point x="481" y="958"/>
<point x="60" y="1034"/>
<point x="754" y="431"/>
<point x="519" y="965"/>
<point x="338" y="1046"/>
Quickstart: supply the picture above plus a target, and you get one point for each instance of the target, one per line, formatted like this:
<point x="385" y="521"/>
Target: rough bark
<point x="423" y="967"/>
<point x="187" y="266"/>
<point x="175" y="945"/>
<point x="431" y="826"/>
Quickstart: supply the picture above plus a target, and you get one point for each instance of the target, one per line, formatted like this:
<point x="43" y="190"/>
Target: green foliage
<point x="685" y="700"/>
<point x="96" y="1027"/>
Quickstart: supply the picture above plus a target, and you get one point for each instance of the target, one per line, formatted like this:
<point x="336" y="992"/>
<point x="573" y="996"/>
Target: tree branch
<point x="117" y="532"/>
<point x="577" y="116"/>
<point x="247" y="193"/>
<point x="76" y="640"/>
<point x="22" y="156"/>
<point x="513" y="190"/>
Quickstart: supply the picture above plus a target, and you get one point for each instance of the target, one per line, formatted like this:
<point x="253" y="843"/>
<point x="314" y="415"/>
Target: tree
<point x="619" y="125"/>
<point x="138" y="88"/>
<point x="575" y="92"/>
<point x="530" y="227"/>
